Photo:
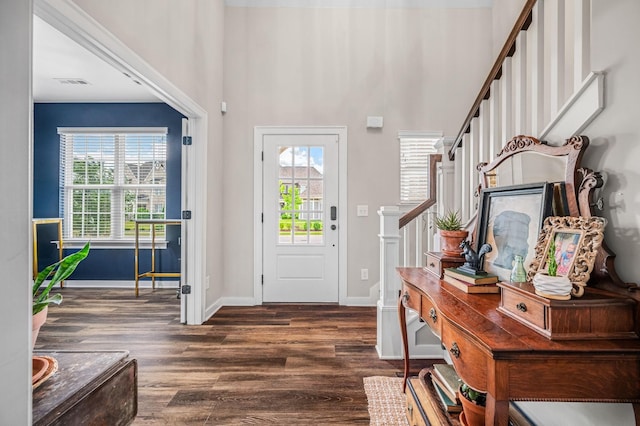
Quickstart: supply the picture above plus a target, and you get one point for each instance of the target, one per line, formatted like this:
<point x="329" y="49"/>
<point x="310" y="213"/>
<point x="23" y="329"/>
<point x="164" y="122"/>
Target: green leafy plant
<point x="59" y="271"/>
<point x="552" y="263"/>
<point x="450" y="221"/>
<point x="478" y="398"/>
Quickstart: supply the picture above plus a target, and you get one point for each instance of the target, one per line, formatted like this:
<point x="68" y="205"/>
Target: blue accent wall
<point x="102" y="264"/>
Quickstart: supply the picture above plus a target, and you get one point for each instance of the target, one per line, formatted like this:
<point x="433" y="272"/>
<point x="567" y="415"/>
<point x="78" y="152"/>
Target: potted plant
<point x="473" y="405"/>
<point x="58" y="272"/>
<point x="451" y="233"/>
<point x="549" y="284"/>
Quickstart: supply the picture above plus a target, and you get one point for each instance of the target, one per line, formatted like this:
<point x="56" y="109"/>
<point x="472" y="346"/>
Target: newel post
<point x="389" y="344"/>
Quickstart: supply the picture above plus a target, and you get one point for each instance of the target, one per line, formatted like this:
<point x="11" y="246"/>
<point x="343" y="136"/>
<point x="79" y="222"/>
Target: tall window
<point x="109" y="178"/>
<point x="415" y="149"/>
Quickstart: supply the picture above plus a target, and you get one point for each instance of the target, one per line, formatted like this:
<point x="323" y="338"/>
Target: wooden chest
<point x="89" y="388"/>
<point x="596" y="315"/>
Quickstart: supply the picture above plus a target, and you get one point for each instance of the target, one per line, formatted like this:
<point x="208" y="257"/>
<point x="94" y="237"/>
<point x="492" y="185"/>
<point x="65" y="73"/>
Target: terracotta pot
<point x="38" y="320"/>
<point x="473" y="414"/>
<point x="450" y="241"/>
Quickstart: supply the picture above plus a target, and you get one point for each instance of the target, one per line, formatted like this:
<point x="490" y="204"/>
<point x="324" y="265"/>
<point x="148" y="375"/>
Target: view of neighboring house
<point x="148" y="172"/>
<point x="308" y="181"/>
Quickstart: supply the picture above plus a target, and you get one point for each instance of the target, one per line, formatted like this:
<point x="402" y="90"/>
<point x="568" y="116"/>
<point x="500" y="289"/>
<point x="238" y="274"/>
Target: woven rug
<point x="386" y="401"/>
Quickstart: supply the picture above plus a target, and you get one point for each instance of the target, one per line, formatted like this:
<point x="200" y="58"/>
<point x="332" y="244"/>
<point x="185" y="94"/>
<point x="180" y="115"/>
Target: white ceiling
<point x="58" y="64"/>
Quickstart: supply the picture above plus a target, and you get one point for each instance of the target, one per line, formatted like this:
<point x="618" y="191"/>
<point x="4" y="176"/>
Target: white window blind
<point x="415" y="150"/>
<point x="109" y="178"/>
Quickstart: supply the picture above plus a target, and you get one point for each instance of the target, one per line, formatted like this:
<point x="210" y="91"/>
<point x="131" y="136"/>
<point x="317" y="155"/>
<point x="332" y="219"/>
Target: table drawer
<point x="596" y="315"/>
<point x="431" y="316"/>
<point x="468" y="359"/>
<point x="523" y="307"/>
<point x="411" y="297"/>
<point x="437" y="262"/>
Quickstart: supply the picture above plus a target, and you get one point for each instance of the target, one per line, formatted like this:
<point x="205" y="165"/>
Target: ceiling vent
<point x="79" y="81"/>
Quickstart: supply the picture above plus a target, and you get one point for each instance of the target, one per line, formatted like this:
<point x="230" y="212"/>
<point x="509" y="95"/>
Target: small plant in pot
<point x="549" y="284"/>
<point x="473" y="405"/>
<point x="41" y="289"/>
<point x="451" y="233"/>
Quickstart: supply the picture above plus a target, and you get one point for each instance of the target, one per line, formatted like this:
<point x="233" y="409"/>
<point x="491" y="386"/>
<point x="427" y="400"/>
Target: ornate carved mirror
<point x="526" y="160"/>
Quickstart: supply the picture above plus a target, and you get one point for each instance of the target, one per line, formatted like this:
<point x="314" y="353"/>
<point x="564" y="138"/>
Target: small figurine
<point x="473" y="261"/>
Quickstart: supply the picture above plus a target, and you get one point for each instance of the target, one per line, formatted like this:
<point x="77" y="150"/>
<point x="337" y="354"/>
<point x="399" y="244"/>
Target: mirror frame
<point x="573" y="149"/>
<point x="580" y="183"/>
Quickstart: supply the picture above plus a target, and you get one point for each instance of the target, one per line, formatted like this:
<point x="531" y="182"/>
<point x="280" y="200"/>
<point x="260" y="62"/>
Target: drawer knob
<point x="405" y="297"/>
<point x="455" y="350"/>
<point x="433" y="315"/>
<point x="433" y="265"/>
<point x="521" y="307"/>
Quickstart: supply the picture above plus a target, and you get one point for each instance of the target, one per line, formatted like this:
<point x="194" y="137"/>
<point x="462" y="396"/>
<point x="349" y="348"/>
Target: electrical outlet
<point x="206" y="282"/>
<point x="364" y="274"/>
<point x="362" y="210"/>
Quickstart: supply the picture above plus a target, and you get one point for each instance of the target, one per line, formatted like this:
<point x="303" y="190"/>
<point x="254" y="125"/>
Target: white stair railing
<point x="540" y="85"/>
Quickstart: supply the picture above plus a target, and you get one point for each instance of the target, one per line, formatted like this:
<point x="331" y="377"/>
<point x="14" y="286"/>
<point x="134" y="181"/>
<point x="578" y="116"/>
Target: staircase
<point x="541" y="84"/>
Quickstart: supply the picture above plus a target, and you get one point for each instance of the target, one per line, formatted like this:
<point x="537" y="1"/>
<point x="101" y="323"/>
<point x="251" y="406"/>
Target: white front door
<point x="300" y="207"/>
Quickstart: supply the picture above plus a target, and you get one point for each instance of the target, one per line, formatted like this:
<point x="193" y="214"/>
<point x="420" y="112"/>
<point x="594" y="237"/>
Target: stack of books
<point x="446" y="383"/>
<point x="470" y="283"/>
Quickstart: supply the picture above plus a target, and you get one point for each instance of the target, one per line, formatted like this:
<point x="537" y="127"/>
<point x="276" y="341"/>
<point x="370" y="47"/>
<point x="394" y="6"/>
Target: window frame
<point x="118" y="237"/>
<point x="428" y="140"/>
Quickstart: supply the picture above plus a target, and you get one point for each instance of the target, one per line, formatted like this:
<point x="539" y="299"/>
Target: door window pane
<point x="301" y="183"/>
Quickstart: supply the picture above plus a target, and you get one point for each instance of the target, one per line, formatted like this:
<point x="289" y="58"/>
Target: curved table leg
<point x="405" y="345"/>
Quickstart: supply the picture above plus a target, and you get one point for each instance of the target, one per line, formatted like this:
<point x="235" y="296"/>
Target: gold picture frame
<point x="577" y="241"/>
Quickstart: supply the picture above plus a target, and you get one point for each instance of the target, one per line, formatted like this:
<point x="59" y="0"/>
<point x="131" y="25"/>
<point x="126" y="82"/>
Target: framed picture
<point x="577" y="240"/>
<point x="509" y="219"/>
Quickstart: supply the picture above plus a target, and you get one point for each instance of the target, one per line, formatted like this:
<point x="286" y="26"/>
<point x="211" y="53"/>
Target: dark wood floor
<point x="276" y="364"/>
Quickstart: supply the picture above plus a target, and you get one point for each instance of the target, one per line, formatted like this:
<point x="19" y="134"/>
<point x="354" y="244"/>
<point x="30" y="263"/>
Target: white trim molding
<point x="579" y="110"/>
<point x="144" y="284"/>
<point x="71" y="20"/>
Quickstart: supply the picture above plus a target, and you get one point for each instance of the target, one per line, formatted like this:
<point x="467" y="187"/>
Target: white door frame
<point x="74" y="22"/>
<point x="258" y="134"/>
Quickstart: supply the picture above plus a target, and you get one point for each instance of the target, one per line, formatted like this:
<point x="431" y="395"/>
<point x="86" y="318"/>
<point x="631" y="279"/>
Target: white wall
<point x="505" y="13"/>
<point x="183" y="41"/>
<point x="615" y="134"/>
<point x="418" y="68"/>
<point x="15" y="213"/>
<point x="300" y="66"/>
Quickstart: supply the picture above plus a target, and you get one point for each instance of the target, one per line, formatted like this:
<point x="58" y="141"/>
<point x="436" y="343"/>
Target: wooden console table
<point x="497" y="354"/>
<point x="89" y="388"/>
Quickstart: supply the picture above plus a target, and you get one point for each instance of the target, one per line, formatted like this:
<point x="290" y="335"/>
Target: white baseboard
<point x="371" y="300"/>
<point x="227" y="301"/>
<point x="171" y="284"/>
<point x="359" y="301"/>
